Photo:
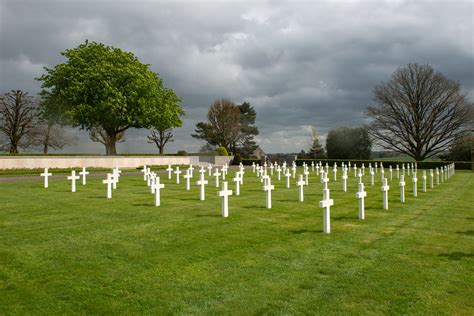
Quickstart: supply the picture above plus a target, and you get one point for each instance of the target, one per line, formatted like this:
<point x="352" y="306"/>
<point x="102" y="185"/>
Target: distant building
<point x="259" y="153"/>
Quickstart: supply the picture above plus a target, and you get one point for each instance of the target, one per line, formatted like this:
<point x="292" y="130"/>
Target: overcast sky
<point x="300" y="64"/>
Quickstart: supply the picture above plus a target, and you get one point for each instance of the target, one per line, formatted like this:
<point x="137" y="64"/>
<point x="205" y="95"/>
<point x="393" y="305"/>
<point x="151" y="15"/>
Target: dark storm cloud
<point x="298" y="63"/>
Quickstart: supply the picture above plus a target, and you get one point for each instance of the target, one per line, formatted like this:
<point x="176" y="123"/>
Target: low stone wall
<point x="40" y="162"/>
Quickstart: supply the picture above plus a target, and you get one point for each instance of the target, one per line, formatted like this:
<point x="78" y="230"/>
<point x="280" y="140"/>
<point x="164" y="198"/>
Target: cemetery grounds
<point x="79" y="253"/>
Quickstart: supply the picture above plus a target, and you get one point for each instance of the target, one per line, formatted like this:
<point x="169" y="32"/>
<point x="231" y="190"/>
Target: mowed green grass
<point x="71" y="253"/>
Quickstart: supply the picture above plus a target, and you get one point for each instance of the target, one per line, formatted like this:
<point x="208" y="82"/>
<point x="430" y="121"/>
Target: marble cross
<point x="355" y="170"/>
<point x="398" y="172"/>
<point x="209" y="169"/>
<point x="344" y="180"/>
<point x="442" y="174"/>
<point x="326" y="204"/>
<point x="317" y="169"/>
<point x="293" y="171"/>
<point x="73" y="178"/>
<point x="84" y="173"/>
<point x="202" y="182"/>
<point x="217" y="174"/>
<point x="169" y="169"/>
<point x="253" y="167"/>
<point x="188" y="177"/>
<point x="372" y="174"/>
<point x="361" y="194"/>
<point x="271" y="169"/>
<point x="423" y="177"/>
<point x="269" y="188"/>
<point x="415" y="185"/>
<point x="109" y="181"/>
<point x="324" y="180"/>
<point x="287" y="175"/>
<point x="144" y="170"/>
<point x="402" y="188"/>
<point x="238" y="181"/>
<point x="306" y="174"/>
<point x="431" y="179"/>
<point x="335" y="172"/>
<point x="301" y="184"/>
<point x="390" y="172"/>
<point x="46" y="174"/>
<point x="224" y="194"/>
<point x="157" y="188"/>
<point x="385" y="189"/>
<point x="191" y="168"/>
<point x="278" y="170"/>
<point x="437" y="176"/>
<point x="312" y="166"/>
<point x="177" y="173"/>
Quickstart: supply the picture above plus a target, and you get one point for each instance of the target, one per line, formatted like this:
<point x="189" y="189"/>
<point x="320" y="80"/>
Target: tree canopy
<point x="419" y="112"/>
<point x="100" y="87"/>
<point x="230" y="126"/>
<point x="348" y="143"/>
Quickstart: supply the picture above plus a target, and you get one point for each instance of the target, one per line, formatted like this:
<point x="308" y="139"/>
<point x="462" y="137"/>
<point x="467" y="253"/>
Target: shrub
<point x="221" y="151"/>
<point x="237" y="159"/>
<point x="182" y="153"/>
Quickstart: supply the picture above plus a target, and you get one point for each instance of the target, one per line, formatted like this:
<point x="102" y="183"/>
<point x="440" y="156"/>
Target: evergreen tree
<point x="316" y="150"/>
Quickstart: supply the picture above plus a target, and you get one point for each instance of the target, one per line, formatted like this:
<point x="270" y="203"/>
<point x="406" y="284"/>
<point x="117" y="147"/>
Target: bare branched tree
<point x="48" y="135"/>
<point x="224" y="117"/>
<point x="419" y="112"/>
<point x="17" y="110"/>
<point x="160" y="138"/>
<point x="99" y="135"/>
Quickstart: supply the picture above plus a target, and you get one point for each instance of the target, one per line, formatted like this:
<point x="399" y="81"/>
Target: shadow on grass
<point x="341" y="218"/>
<point x="207" y="215"/>
<point x="467" y="232"/>
<point x="456" y="256"/>
<point x="304" y="231"/>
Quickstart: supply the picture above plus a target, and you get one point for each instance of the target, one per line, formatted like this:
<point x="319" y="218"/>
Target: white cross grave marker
<point x="224" y="194"/>
<point x="431" y="179"/>
<point x="209" y="169"/>
<point x="217" y="174"/>
<point x="73" y="178"/>
<point x="238" y="181"/>
<point x="423" y="177"/>
<point x="344" y="180"/>
<point x="415" y="184"/>
<point x="402" y="188"/>
<point x="157" y="188"/>
<point x="46" y="174"/>
<point x="301" y="184"/>
<point x="326" y="204"/>
<point x="361" y="194"/>
<point x="287" y="175"/>
<point x="188" y="177"/>
<point x="109" y="182"/>
<point x="84" y="173"/>
<point x="202" y="182"/>
<point x="144" y="169"/>
<point x="385" y="189"/>
<point x="170" y="170"/>
<point x="177" y="173"/>
<point x="269" y="188"/>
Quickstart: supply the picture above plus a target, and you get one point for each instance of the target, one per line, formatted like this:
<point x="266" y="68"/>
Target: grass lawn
<point x="71" y="253"/>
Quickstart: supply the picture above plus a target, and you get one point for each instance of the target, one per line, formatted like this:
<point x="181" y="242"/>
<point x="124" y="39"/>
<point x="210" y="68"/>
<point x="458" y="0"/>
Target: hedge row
<point x="249" y="161"/>
<point x="460" y="165"/>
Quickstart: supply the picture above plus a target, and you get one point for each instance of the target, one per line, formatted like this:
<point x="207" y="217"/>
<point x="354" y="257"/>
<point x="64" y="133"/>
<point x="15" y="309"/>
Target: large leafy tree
<point x="419" y="112"/>
<point x="348" y="143"/>
<point x="102" y="88"/>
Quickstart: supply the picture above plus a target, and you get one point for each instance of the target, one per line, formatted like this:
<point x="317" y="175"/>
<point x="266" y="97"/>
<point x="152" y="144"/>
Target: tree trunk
<point x="13" y="149"/>
<point x="162" y="149"/>
<point x="110" y="145"/>
<point x="46" y="140"/>
<point x="45" y="149"/>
